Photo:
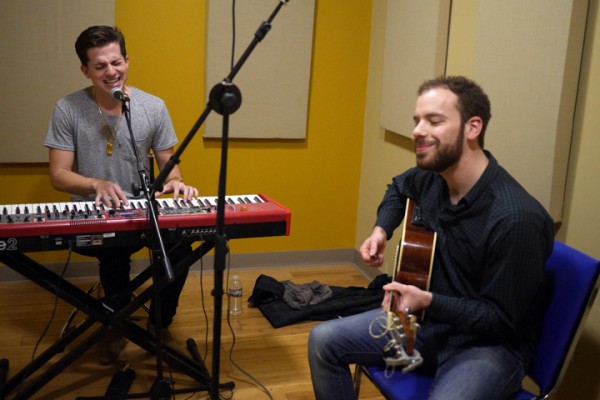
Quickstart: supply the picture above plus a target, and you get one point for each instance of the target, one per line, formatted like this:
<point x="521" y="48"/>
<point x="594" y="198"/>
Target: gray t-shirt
<point x="77" y="126"/>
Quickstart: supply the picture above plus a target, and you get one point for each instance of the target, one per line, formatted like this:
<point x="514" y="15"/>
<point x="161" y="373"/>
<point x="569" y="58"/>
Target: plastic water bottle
<point x="235" y="296"/>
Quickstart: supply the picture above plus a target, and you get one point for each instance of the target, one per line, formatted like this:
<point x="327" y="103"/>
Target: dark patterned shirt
<point x="488" y="281"/>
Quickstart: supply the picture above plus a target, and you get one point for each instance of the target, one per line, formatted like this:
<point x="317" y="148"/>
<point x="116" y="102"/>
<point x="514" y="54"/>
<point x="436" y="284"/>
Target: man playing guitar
<point x="485" y="299"/>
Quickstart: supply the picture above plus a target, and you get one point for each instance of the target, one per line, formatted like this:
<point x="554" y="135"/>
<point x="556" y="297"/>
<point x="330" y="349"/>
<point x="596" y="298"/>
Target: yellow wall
<point x="316" y="178"/>
<point x="303" y="175"/>
<point x="325" y="179"/>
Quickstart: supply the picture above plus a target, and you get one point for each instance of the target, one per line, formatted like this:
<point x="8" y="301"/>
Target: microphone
<point x="119" y="94"/>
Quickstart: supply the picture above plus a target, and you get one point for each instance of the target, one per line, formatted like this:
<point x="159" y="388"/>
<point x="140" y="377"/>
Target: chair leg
<point x="357" y="377"/>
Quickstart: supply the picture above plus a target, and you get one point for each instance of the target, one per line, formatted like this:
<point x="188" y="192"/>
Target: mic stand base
<point x="161" y="390"/>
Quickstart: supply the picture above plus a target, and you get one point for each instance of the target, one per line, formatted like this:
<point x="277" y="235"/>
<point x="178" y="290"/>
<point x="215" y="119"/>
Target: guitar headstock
<point x="400" y="350"/>
<point x="410" y="327"/>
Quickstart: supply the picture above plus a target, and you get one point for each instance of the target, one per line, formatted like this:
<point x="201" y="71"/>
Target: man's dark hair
<point x="98" y="36"/>
<point x="472" y="100"/>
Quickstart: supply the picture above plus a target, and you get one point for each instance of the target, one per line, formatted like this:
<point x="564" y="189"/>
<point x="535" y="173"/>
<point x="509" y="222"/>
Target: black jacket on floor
<point x="267" y="295"/>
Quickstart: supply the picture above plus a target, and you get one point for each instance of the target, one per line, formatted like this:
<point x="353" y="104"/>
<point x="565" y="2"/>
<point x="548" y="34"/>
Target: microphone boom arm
<point x="259" y="35"/>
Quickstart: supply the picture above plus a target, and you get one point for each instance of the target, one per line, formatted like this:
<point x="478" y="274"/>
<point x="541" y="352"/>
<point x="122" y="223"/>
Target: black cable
<point x="233" y="342"/>
<point x="206" y="322"/>
<point x="233" y="33"/>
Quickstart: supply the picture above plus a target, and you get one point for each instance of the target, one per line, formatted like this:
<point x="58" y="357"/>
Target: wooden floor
<point x="274" y="357"/>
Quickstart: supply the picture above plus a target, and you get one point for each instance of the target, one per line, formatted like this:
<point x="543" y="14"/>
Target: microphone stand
<point x="224" y="98"/>
<point x="161" y="387"/>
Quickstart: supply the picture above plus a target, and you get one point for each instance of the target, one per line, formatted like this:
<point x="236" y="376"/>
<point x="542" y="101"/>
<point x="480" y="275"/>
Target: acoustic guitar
<point x="413" y="265"/>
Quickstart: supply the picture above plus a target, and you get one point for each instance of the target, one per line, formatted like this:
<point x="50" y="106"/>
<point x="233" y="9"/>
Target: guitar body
<point x="414" y="259"/>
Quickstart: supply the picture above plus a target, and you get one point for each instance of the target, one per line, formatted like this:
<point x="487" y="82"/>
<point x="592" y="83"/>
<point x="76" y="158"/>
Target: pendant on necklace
<point x="109" y="139"/>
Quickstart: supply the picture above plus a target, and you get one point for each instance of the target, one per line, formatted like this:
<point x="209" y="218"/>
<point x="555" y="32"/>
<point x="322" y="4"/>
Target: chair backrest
<point x="574" y="284"/>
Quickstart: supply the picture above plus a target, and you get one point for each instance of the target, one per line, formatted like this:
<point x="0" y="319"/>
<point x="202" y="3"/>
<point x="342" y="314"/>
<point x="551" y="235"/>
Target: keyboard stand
<point x="97" y="313"/>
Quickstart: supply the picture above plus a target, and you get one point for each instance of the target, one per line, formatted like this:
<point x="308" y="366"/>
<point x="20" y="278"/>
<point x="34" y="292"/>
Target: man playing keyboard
<point x="91" y="157"/>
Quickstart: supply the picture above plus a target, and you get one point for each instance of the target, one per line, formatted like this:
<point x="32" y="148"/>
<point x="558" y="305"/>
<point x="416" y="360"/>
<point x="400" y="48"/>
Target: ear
<point x="84" y="69"/>
<point x="473" y="128"/>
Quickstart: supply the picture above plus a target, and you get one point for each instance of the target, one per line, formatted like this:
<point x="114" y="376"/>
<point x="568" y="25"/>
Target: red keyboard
<point x="57" y="226"/>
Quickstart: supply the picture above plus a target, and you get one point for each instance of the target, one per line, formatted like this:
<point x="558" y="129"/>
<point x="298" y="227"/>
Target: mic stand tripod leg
<point x="3" y="375"/>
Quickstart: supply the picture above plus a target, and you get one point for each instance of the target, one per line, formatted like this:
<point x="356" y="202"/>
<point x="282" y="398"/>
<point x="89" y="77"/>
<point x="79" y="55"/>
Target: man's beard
<point x="444" y="158"/>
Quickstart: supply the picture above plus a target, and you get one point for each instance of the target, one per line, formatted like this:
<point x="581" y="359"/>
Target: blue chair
<point x="575" y="284"/>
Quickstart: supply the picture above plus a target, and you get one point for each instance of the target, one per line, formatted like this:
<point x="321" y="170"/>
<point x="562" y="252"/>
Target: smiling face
<point x="106" y="67"/>
<point x="438" y="134"/>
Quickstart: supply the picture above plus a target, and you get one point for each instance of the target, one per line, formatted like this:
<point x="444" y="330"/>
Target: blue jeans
<point x="474" y="374"/>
